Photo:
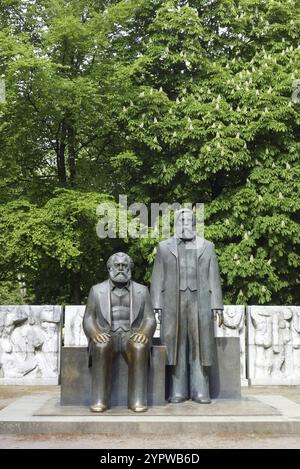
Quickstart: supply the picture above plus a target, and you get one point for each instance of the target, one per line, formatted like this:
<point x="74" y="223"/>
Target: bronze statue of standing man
<point x="186" y="292"/>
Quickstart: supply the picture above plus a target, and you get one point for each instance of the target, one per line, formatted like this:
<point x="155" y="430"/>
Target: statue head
<point x="119" y="267"/>
<point x="185" y="224"/>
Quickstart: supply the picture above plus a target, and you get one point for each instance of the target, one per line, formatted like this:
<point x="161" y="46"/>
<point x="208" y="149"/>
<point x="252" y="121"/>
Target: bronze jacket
<point x="97" y="313"/>
<point x="165" y="295"/>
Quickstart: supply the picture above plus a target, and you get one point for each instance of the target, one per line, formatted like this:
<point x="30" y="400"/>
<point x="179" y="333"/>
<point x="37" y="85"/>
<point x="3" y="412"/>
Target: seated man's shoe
<point x="176" y="399"/>
<point x="201" y="399"/>
<point x="98" y="408"/>
<point x="138" y="408"/>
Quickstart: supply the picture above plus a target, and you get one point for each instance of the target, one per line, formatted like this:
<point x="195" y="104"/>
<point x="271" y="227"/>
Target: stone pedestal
<point x="76" y="377"/>
<point x="224" y="379"/>
<point x="234" y="326"/>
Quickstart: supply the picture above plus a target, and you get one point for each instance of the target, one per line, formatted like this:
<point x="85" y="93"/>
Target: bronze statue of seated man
<point x="119" y="319"/>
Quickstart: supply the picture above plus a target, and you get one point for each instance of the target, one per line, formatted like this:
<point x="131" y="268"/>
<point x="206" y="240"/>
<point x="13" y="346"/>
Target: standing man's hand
<point x="158" y="311"/>
<point x="219" y="313"/>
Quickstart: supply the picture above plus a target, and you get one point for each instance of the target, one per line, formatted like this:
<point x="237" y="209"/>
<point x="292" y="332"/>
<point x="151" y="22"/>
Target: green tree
<point x="55" y="127"/>
<point x="163" y="101"/>
<point x="212" y="120"/>
<point x="55" y="248"/>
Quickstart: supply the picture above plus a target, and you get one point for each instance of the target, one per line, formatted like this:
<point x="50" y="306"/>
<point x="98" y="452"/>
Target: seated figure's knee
<point x="103" y="346"/>
<point x="136" y="346"/>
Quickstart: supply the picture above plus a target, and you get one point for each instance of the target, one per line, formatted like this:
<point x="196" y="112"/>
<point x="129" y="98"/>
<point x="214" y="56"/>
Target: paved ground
<point x="190" y="441"/>
<point x="291" y="392"/>
<point x="9" y="394"/>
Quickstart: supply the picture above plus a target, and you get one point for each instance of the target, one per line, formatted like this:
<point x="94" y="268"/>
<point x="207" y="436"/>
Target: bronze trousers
<point x="136" y="356"/>
<point x="188" y="378"/>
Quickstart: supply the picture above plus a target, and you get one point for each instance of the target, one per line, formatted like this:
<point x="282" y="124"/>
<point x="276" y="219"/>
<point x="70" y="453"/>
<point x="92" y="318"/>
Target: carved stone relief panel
<point x="29" y="344"/>
<point x="273" y="345"/>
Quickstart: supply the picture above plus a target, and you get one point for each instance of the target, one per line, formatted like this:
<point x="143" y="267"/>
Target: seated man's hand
<point x="139" y="337"/>
<point x="100" y="337"/>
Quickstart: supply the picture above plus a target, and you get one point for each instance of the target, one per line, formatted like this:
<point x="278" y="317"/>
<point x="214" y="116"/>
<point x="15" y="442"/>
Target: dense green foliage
<point x="163" y="101"/>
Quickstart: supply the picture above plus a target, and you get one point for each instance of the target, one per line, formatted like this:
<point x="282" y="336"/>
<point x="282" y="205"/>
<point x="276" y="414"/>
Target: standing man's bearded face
<point x="184" y="225"/>
<point x="119" y="268"/>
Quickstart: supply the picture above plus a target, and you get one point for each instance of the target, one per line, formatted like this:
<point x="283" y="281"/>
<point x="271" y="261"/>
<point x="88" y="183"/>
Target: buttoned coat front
<point x="165" y="295"/>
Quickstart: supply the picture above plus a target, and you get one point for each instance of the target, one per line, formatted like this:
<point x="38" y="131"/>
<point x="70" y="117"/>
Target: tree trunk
<point x="61" y="163"/>
<point x="216" y="188"/>
<point x="75" y="288"/>
<point x="71" y="154"/>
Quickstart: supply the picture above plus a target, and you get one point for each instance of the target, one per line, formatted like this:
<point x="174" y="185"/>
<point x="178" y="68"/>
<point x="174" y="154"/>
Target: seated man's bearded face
<point x="119" y="268"/>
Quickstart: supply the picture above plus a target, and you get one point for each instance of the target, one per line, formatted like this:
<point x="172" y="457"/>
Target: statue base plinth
<point x="225" y="382"/>
<point x="76" y="377"/>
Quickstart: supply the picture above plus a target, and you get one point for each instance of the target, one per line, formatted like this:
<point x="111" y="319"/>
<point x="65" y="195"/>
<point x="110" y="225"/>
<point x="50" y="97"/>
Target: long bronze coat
<point x="165" y="295"/>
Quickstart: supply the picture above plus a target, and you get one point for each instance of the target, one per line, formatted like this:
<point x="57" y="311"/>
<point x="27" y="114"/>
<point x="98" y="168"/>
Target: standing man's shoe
<point x="176" y="399"/>
<point x="202" y="400"/>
